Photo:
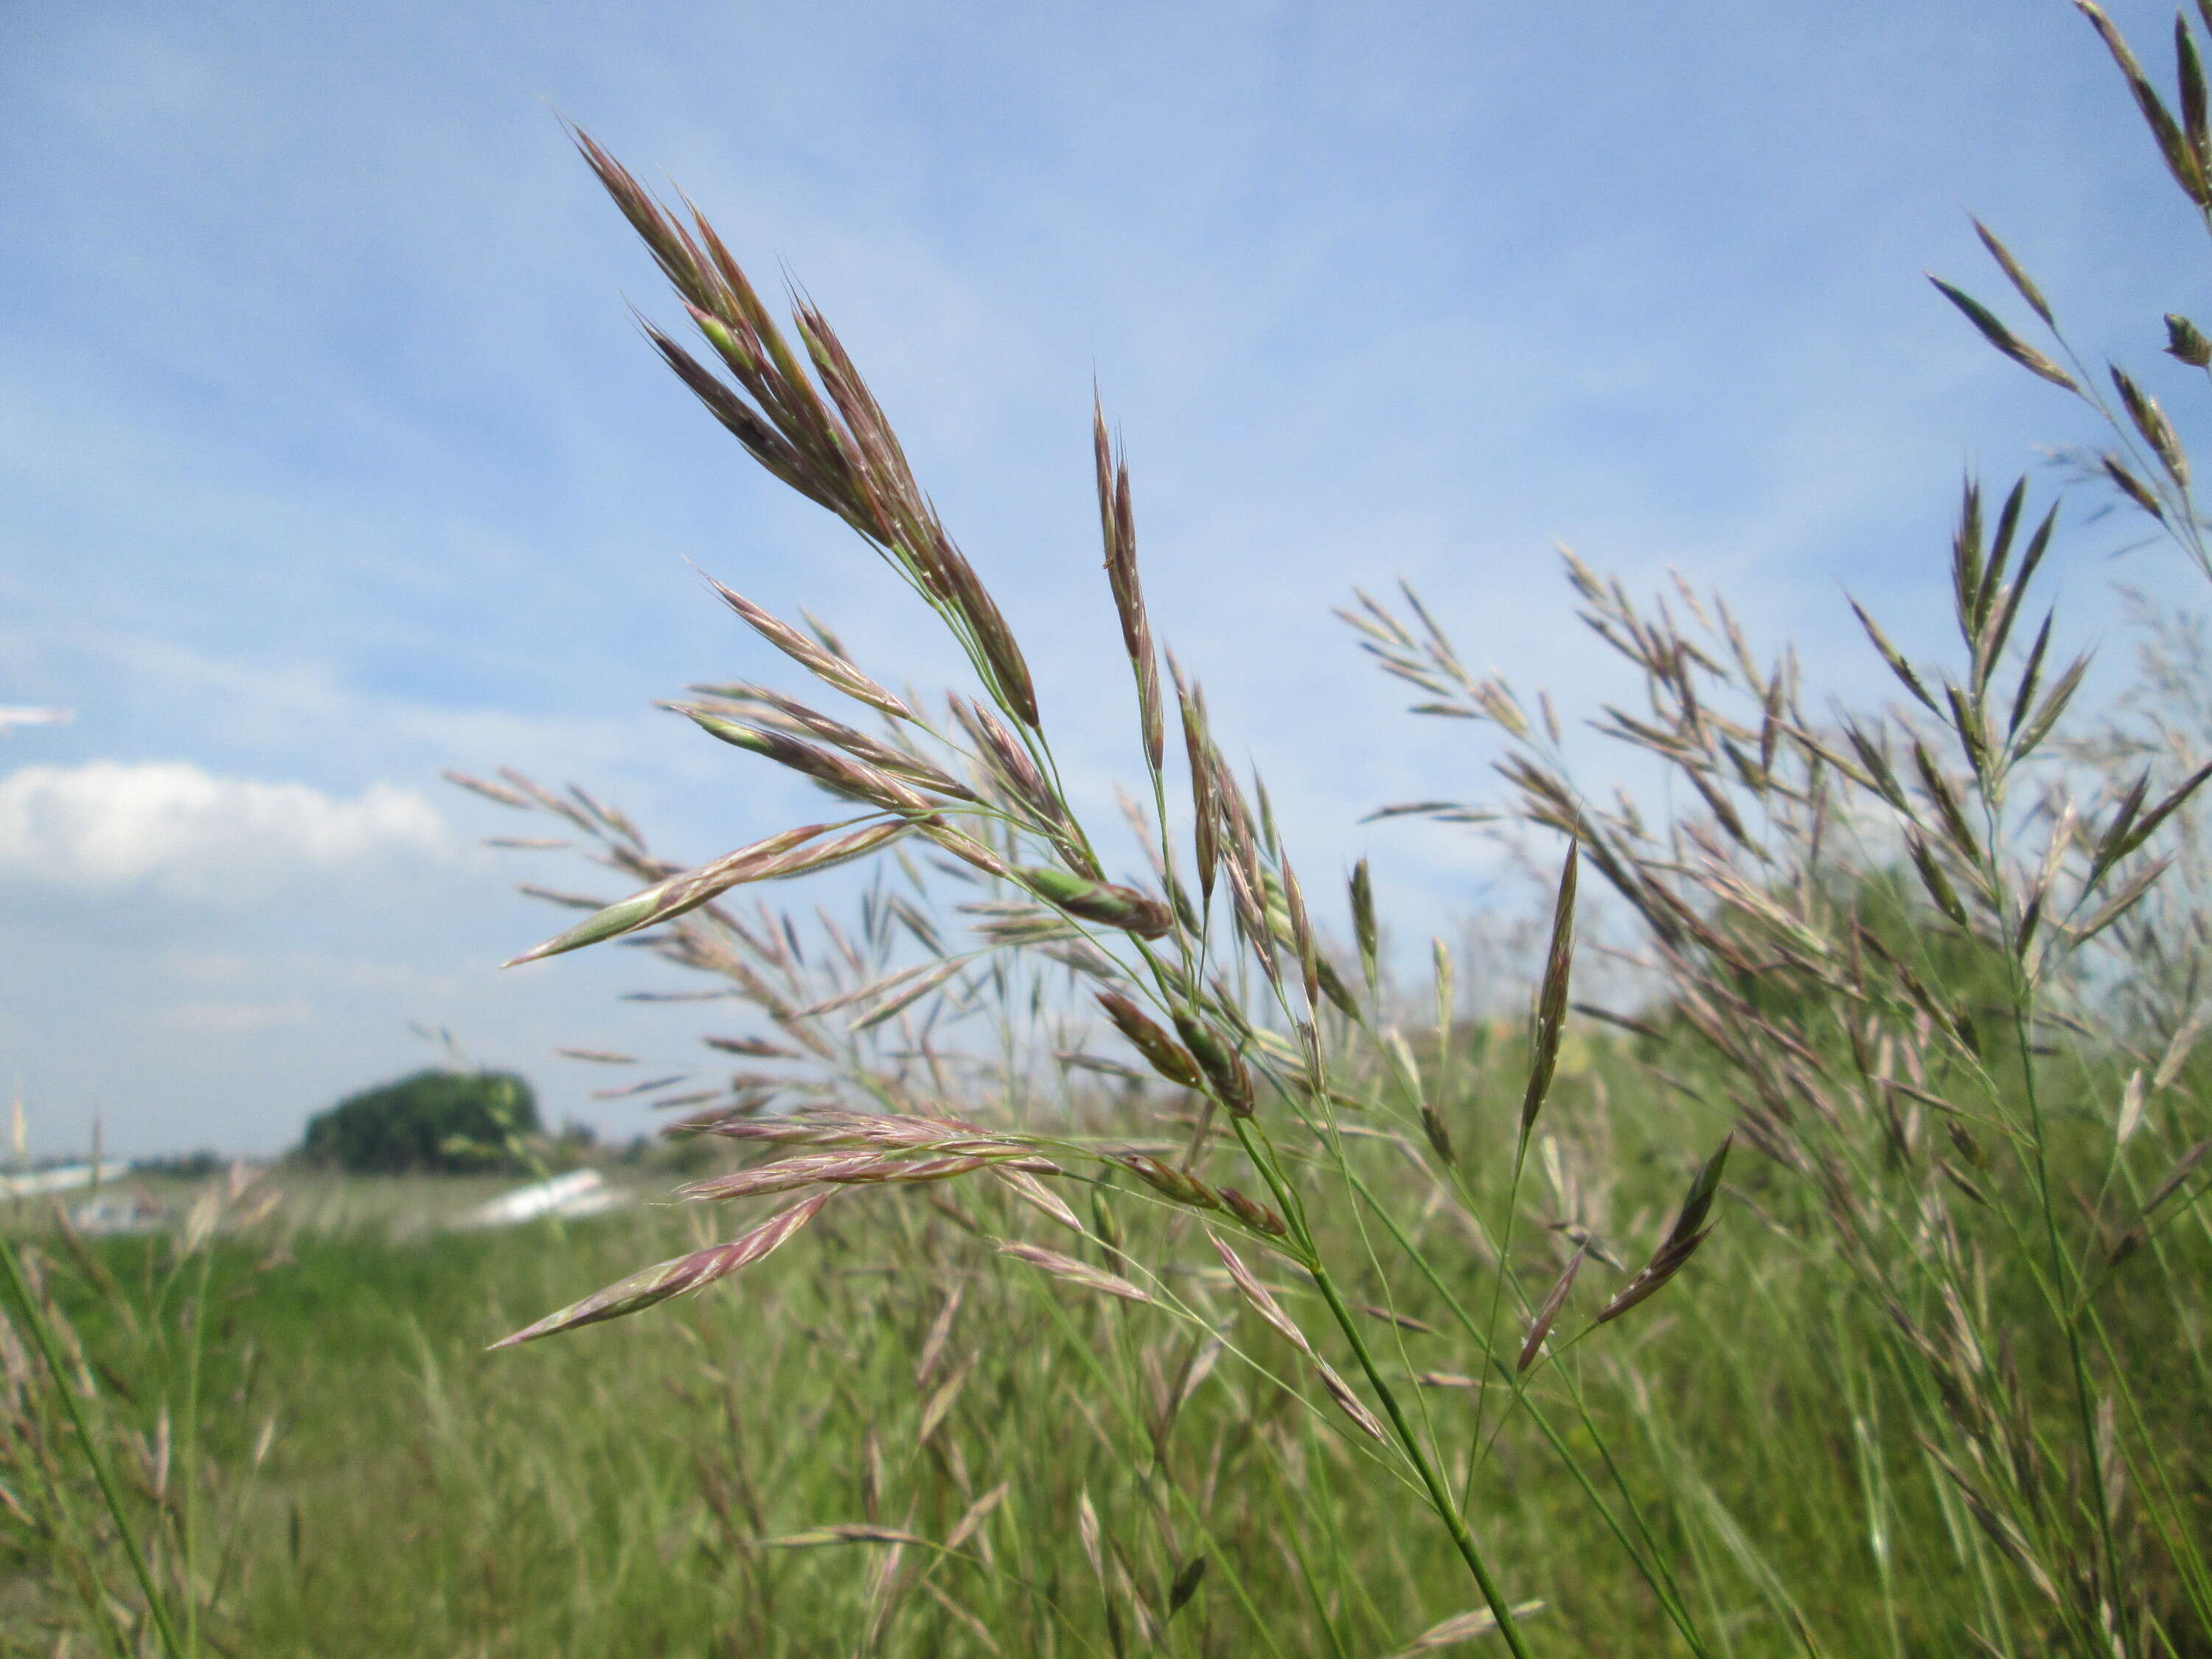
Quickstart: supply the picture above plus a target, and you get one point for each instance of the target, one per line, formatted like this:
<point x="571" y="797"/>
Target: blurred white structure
<point x="67" y="1178"/>
<point x="113" y="1214"/>
<point x="580" y="1192"/>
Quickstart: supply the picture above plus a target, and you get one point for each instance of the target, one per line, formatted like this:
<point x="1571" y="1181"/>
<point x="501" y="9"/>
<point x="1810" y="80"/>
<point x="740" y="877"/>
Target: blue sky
<point x="331" y="457"/>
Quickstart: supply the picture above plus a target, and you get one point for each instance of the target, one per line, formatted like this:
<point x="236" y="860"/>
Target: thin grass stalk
<point x="1116" y="1393"/>
<point x="110" y="1493"/>
<point x="1651" y="1564"/>
<point x="188" y="1452"/>
<point x="1644" y="1550"/>
<point x="1439" y="1493"/>
<point x="2066" y="1287"/>
<point x="1545" y="1035"/>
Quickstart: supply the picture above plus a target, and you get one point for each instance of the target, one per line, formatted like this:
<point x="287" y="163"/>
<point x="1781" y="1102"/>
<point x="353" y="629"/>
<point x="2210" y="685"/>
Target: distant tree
<point x="446" y="1123"/>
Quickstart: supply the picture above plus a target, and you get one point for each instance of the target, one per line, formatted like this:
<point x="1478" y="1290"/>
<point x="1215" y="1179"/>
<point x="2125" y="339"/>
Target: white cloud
<point x="175" y="827"/>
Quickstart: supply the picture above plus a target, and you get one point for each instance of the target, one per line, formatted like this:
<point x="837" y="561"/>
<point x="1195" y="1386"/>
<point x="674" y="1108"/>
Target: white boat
<point x="579" y="1193"/>
<point x="120" y="1213"/>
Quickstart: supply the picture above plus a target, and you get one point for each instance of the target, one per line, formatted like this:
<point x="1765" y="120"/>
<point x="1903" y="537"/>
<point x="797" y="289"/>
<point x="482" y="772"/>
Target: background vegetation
<point x="433" y="1121"/>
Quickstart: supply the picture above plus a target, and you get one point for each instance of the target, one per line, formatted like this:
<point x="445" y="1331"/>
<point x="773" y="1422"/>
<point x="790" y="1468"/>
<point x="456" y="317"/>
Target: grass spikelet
<point x="491" y="792"/>
<point x="2186" y="342"/>
<point x="2002" y="338"/>
<point x="1255" y="1215"/>
<point x="977" y="1513"/>
<point x="1462" y="1627"/>
<point x="1363" y="929"/>
<point x="1176" y="1185"/>
<point x="666" y="900"/>
<point x="1541" y="1326"/>
<point x="2125" y="480"/>
<point x="891" y="1006"/>
<point x="1204" y="807"/>
<point x="2150" y="420"/>
<point x="1074" y="1271"/>
<point x="1257" y="1297"/>
<point x="2188" y="170"/>
<point x="1098" y="901"/>
<point x="788" y="1174"/>
<point x="1225" y="1073"/>
<point x="673" y="1277"/>
<point x="841" y="774"/>
<point x="1039" y="1197"/>
<point x="2018" y="277"/>
<point x="1117" y="526"/>
<point x="851" y="1532"/>
<point x="1682" y="1239"/>
<point x="1551" y="996"/>
<point x="1162" y="1052"/>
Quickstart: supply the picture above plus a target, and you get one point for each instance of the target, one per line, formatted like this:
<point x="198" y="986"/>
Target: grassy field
<point x="1044" y="1464"/>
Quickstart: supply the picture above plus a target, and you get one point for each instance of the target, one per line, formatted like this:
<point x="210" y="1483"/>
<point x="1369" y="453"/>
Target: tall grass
<point x="119" y="1463"/>
<point x="1895" y="933"/>
<point x="784" y="1470"/>
<point x="1213" y="973"/>
<point x="1160" y="1278"/>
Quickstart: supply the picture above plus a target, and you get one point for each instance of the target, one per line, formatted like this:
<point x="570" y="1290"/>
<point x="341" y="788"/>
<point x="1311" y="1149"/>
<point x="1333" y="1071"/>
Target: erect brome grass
<point x="1248" y="1011"/>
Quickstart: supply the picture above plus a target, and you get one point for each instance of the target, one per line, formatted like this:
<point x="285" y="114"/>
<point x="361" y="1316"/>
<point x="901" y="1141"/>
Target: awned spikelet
<point x="1682" y="1239"/>
<point x="1170" y="1182"/>
<point x="686" y="1272"/>
<point x="1166" y="1056"/>
<point x="826" y="665"/>
<point x="1076" y="1273"/>
<point x="1117" y="524"/>
<point x="1551" y="996"/>
<point x="670" y="898"/>
<point x="1226" y="1075"/>
<point x="1097" y="901"/>
<point x="1541" y="1326"/>
<point x="1262" y="1302"/>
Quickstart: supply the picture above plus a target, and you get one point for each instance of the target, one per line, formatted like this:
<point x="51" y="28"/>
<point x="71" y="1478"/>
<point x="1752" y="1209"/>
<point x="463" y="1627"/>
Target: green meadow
<point x="1016" y="1466"/>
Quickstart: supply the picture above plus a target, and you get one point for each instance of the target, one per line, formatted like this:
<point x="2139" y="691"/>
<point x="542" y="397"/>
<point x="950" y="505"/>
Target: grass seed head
<point x="686" y="1272"/>
<point x="1551" y="996"/>
<point x="2184" y="341"/>
<point x="1363" y="927"/>
<point x="1117" y="524"/>
<point x="1107" y="903"/>
<point x="1256" y="1216"/>
<point x="1074" y="1271"/>
<point x="1168" y="1058"/>
<point x="1439" y="1137"/>
<point x="666" y="900"/>
<point x="1170" y="1182"/>
<point x="1227" y="1078"/>
<point x="1541" y="1326"/>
